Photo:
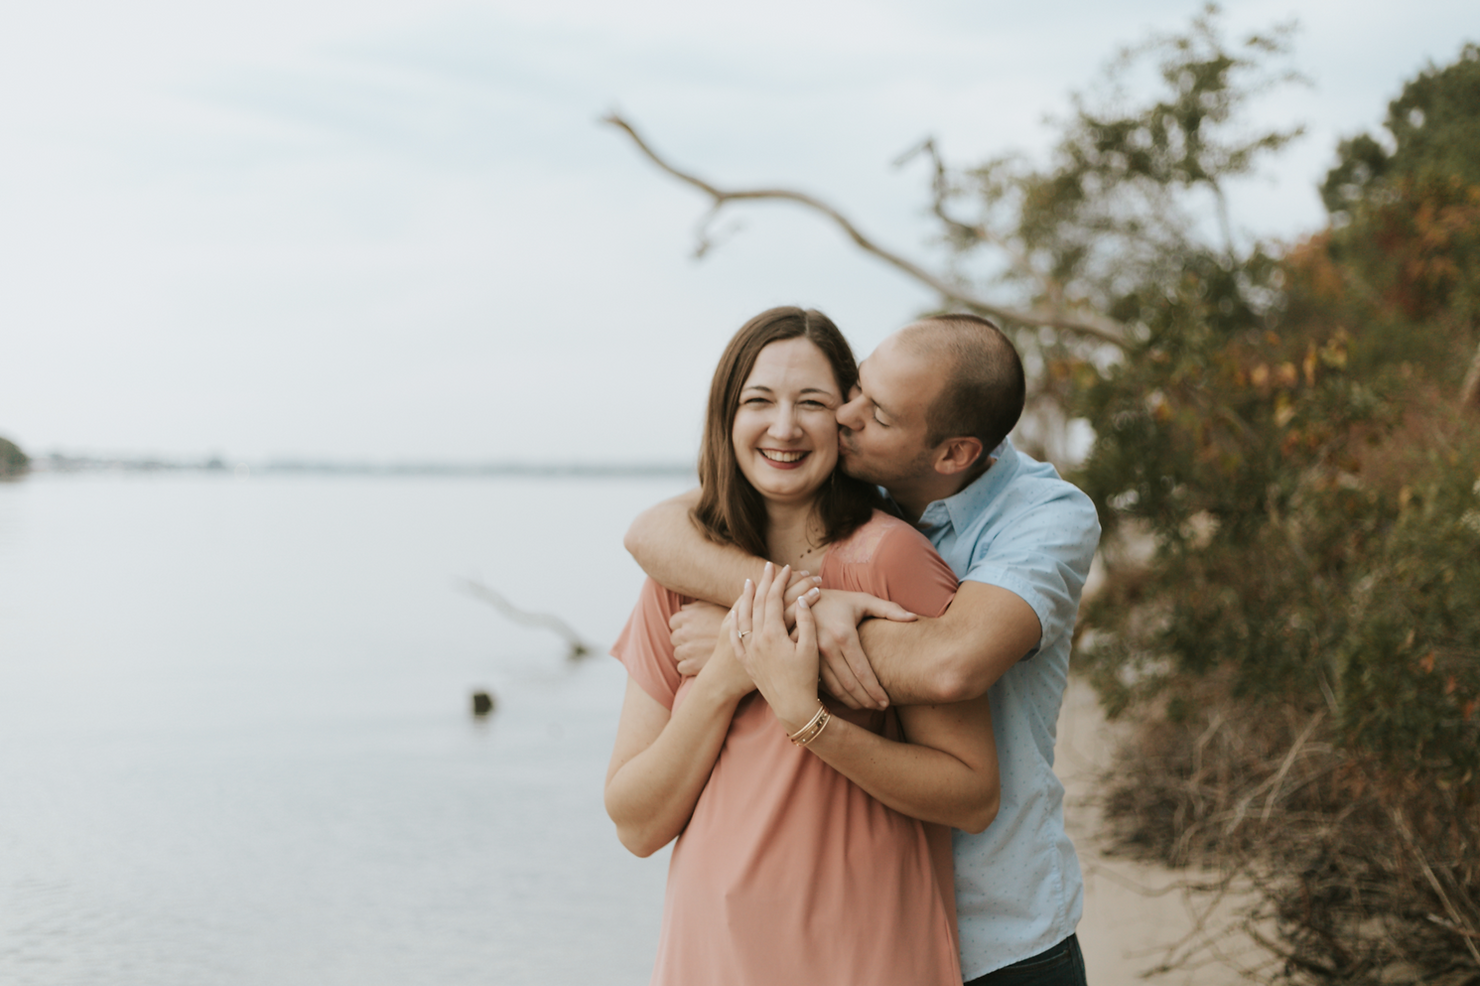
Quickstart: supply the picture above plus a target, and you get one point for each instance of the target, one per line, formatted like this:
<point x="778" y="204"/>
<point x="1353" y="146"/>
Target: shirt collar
<point x="961" y="508"/>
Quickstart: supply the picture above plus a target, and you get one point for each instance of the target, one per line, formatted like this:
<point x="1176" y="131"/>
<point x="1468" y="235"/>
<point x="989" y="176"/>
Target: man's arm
<point x="678" y="556"/>
<point x="1021" y="592"/>
<point x="956" y="657"/>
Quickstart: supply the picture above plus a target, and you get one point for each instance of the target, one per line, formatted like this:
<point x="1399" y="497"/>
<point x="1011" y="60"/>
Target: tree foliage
<point x="1115" y="210"/>
<point x="1291" y="440"/>
<point x="1430" y="129"/>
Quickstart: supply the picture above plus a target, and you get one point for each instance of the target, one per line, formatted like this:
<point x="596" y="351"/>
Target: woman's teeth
<point x="778" y="456"/>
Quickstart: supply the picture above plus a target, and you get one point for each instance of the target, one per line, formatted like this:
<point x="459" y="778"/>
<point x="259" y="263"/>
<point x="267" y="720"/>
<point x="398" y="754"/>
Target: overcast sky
<point x="393" y="229"/>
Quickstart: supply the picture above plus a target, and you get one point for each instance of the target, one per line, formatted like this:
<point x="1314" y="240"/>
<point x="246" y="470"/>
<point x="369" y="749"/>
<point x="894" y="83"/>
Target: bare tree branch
<point x="578" y="647"/>
<point x="974" y="232"/>
<point x="1086" y="323"/>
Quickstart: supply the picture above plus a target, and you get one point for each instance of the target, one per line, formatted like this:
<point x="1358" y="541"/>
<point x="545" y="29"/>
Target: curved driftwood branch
<point x="1087" y="324"/>
<point x="578" y="647"/>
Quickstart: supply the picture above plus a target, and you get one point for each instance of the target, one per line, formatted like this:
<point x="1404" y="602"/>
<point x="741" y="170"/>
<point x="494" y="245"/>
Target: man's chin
<point x="852" y="467"/>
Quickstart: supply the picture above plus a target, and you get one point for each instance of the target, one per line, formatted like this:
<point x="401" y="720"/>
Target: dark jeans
<point x="1062" y="965"/>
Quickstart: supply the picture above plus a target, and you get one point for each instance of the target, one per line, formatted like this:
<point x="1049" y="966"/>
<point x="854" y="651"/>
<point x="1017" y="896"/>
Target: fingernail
<point x="813" y="594"/>
<point x="804" y="572"/>
<point x="747" y="583"/>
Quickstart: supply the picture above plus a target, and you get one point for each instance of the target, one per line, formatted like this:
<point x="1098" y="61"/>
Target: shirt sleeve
<point x="1043" y="555"/>
<point x="645" y="647"/>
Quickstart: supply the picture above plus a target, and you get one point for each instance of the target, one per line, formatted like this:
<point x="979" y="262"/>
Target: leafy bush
<point x="1302" y="650"/>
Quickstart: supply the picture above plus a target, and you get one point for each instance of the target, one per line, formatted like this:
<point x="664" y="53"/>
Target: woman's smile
<point x="783" y="459"/>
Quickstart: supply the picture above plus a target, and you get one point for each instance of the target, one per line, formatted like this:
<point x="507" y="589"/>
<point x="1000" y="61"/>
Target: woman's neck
<point x="794" y="536"/>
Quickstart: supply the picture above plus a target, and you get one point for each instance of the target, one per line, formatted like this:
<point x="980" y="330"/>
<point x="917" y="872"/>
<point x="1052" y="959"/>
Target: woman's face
<point x="786" y="429"/>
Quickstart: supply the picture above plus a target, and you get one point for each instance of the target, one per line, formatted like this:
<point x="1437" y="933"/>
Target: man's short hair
<point x="984" y="389"/>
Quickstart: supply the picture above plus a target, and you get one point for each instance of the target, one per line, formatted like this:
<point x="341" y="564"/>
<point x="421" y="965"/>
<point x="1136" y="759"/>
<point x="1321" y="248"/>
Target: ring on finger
<point x="743" y="634"/>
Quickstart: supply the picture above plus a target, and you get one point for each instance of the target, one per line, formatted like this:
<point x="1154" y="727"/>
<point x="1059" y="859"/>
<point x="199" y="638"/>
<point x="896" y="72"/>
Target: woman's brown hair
<point x="730" y="511"/>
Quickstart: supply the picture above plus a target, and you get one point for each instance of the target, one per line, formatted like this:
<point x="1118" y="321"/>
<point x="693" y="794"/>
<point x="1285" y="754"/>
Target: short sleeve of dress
<point x="890" y="559"/>
<point x="645" y="647"/>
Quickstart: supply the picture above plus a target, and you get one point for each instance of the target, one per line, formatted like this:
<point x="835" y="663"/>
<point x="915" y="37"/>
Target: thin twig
<point x="942" y="191"/>
<point x="1470" y="391"/>
<point x="1085" y="323"/>
<point x="1468" y="935"/>
<point x="1279" y="778"/>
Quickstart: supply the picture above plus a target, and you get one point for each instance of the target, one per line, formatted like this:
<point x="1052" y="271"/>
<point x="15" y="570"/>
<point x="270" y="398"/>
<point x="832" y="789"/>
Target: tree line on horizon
<point x="13" y="461"/>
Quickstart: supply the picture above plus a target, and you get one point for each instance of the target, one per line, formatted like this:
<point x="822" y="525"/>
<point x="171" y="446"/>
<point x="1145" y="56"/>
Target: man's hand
<point x="695" y="628"/>
<point x="846" y="671"/>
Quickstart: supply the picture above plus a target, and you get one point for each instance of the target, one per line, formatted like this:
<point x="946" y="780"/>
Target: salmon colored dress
<point x="788" y="873"/>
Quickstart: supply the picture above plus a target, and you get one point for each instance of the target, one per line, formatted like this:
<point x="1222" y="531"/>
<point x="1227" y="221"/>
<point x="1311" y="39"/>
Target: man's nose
<point x="850" y="415"/>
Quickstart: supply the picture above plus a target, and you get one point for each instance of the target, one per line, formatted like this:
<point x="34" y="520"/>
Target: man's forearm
<point x="671" y="549"/>
<point x="956" y="657"/>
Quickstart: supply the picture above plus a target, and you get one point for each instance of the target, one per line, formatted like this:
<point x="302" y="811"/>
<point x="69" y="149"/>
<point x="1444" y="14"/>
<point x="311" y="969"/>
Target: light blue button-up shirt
<point x="1019" y="526"/>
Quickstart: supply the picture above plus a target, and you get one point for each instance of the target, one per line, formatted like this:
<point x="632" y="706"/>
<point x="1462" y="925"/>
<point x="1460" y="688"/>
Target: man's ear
<point x="958" y="455"/>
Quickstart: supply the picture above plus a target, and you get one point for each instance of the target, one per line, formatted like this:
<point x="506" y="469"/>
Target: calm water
<point x="235" y="744"/>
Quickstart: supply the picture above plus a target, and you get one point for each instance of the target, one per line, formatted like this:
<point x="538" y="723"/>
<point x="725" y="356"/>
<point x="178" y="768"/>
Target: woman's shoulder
<point x="888" y="558"/>
<point x="882" y="535"/>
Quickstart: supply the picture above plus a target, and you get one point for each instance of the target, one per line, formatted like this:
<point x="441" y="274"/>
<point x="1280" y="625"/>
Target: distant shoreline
<point x="59" y="463"/>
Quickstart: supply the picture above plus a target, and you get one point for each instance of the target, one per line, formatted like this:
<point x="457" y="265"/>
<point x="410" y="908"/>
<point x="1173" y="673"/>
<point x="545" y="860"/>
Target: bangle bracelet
<point x="813" y="728"/>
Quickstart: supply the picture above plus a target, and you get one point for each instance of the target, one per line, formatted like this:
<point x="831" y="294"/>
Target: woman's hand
<point x="783" y="670"/>
<point x="723" y="670"/>
<point x="696" y="628"/>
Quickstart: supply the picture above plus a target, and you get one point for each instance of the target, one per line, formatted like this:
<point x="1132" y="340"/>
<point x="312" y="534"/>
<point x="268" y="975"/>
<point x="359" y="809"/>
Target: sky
<point x="394" y="230"/>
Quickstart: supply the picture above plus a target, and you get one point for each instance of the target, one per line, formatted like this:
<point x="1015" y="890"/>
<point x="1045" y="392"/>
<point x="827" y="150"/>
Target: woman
<point x="801" y="857"/>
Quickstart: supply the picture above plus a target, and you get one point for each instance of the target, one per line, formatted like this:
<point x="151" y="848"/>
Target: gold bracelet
<point x="813" y="728"/>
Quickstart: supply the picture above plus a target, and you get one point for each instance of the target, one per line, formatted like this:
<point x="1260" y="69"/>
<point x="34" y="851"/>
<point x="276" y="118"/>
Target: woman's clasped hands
<point x="784" y="670"/>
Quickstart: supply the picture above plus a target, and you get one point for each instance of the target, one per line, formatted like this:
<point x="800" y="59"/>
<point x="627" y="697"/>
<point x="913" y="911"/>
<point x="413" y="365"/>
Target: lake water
<point x="235" y="738"/>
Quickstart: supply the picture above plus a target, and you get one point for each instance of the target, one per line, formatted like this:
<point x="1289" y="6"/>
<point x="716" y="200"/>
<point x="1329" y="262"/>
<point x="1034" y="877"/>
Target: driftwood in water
<point x="578" y="647"/>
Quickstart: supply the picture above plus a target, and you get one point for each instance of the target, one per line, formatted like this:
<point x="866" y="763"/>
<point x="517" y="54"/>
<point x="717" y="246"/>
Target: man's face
<point x="883" y="430"/>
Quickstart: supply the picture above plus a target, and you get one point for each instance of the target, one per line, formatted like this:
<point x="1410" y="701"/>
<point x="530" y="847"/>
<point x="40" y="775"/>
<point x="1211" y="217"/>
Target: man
<point x="929" y="423"/>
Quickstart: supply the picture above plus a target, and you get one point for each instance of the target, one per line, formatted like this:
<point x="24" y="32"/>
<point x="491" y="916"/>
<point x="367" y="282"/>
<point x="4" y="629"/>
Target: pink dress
<point x="788" y="873"/>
